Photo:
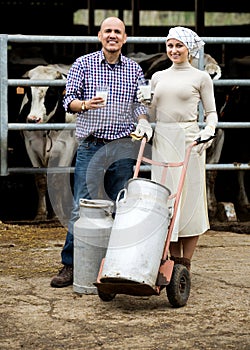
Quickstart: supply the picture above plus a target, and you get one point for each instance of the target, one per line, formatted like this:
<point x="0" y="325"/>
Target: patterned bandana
<point x="189" y="38"/>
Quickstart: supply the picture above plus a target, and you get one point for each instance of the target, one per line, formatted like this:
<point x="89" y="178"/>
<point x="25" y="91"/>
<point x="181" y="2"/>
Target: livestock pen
<point x="6" y="121"/>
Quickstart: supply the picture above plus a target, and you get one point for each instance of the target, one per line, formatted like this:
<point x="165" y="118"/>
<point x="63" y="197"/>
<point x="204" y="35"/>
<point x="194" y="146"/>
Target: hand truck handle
<point x="198" y="141"/>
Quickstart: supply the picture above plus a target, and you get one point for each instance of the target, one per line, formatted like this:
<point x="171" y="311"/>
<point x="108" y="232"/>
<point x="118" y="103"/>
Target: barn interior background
<point x="209" y="18"/>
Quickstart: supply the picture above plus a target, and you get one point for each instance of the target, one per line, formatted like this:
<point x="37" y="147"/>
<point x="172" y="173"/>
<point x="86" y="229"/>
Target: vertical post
<point x="91" y="21"/>
<point x="135" y="21"/>
<point x="135" y="17"/>
<point x="201" y="67"/>
<point x="121" y="14"/>
<point x="3" y="104"/>
<point x="199" y="17"/>
<point x="91" y="17"/>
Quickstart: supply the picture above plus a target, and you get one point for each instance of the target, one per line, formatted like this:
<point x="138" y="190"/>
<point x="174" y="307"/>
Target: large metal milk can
<point x="138" y="234"/>
<point x="91" y="235"/>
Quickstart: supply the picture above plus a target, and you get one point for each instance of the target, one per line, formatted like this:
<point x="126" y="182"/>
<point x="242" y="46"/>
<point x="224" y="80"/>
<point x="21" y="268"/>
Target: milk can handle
<point x="109" y="211"/>
<point x="124" y="190"/>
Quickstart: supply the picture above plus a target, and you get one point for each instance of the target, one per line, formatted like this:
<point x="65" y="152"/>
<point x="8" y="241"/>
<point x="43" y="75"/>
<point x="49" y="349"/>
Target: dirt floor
<point x="36" y="316"/>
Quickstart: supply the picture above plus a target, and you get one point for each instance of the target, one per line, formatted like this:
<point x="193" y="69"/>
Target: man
<point x="105" y="155"/>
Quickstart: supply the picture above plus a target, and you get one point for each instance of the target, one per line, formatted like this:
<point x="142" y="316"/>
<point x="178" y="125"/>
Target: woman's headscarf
<point x="188" y="37"/>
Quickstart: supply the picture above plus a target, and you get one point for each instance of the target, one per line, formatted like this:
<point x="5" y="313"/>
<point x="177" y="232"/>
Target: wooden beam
<point x="91" y="16"/>
<point x="199" y="17"/>
<point x="158" y="5"/>
<point x="135" y="17"/>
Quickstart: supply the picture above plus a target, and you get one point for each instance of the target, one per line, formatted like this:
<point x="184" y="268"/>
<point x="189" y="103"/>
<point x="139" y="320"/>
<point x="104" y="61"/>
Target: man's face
<point x="112" y="35"/>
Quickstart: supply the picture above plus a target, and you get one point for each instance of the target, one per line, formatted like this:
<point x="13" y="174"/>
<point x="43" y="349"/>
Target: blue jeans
<point x="101" y="169"/>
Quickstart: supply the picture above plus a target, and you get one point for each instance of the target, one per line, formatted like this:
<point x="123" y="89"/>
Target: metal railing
<point x="5" y="126"/>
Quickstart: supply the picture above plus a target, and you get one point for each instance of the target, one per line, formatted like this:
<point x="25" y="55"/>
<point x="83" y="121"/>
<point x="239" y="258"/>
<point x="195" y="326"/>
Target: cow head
<point x="41" y="103"/>
<point x="210" y="65"/>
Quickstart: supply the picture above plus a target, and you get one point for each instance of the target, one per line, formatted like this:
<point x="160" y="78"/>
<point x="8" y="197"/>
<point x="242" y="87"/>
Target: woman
<point x="177" y="93"/>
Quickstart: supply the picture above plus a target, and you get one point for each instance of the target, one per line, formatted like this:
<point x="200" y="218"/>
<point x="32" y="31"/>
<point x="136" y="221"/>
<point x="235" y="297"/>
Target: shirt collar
<point x="102" y="58"/>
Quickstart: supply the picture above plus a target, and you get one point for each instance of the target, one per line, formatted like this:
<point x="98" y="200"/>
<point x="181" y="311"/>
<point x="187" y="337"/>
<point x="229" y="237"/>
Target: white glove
<point x="143" y="127"/>
<point x="141" y="98"/>
<point x="205" y="134"/>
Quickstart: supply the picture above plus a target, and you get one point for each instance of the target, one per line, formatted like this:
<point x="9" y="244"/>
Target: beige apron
<point x="169" y="144"/>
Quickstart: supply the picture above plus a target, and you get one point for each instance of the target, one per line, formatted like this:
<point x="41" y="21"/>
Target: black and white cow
<point x="233" y="106"/>
<point x="235" y="186"/>
<point x="47" y="147"/>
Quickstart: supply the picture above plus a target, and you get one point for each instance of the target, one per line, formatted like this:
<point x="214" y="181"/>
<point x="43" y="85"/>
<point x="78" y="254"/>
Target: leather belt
<point x="92" y="138"/>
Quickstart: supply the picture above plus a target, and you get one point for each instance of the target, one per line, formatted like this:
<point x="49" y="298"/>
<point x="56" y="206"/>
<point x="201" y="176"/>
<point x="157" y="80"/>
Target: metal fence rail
<point x="5" y="127"/>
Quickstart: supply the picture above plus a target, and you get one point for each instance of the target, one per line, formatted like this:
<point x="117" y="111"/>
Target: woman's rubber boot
<point x="183" y="261"/>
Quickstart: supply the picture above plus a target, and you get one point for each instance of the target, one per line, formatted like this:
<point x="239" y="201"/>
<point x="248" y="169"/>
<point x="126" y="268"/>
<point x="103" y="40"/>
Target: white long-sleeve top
<point x="177" y="92"/>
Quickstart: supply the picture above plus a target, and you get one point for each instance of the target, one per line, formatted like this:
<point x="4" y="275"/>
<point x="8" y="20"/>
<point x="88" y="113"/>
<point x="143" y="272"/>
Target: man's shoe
<point x="64" y="277"/>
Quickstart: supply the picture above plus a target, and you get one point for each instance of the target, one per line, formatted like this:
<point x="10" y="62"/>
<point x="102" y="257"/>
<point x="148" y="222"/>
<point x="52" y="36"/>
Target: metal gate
<point x="5" y="126"/>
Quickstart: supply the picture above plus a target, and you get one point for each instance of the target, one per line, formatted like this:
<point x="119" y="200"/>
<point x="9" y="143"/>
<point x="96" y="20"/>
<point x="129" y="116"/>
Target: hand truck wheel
<point x="179" y="287"/>
<point x="105" y="296"/>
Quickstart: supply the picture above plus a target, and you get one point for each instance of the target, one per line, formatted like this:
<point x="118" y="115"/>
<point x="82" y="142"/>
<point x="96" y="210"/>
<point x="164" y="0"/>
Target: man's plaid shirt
<point x="117" y="118"/>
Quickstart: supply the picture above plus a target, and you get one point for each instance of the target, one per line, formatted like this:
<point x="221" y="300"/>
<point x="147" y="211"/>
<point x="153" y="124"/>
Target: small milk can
<point x="91" y="235"/>
<point x="138" y="234"/>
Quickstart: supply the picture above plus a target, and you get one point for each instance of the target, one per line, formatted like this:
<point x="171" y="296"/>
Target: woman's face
<point x="177" y="52"/>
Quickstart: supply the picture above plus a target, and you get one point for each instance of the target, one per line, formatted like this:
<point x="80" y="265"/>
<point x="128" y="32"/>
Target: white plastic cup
<point x="102" y="91"/>
<point x="145" y="88"/>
